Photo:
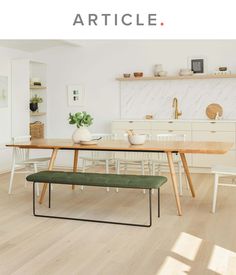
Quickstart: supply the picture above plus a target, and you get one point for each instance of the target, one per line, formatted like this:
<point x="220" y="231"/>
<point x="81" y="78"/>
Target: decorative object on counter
<point x="222" y="71"/>
<point x="126" y="75"/>
<point x="175" y="106"/>
<point x="149" y="117"/>
<point x="214" y="111"/>
<point x="35" y="81"/>
<point x="75" y="95"/>
<point x="136" y="139"/>
<point x="157" y="69"/>
<point x="34" y="101"/>
<point x="185" y="72"/>
<point x="82" y="120"/>
<point x="138" y="74"/>
<point x="37" y="130"/>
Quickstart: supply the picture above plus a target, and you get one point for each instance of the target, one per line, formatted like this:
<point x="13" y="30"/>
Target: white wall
<point x="6" y="55"/>
<point x="96" y="64"/>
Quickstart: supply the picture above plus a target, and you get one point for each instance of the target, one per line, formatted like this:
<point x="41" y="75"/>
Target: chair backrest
<point x="168" y="137"/>
<point x="171" y="137"/>
<point x="20" y="154"/>
<point x="104" y="136"/>
<point x="129" y="156"/>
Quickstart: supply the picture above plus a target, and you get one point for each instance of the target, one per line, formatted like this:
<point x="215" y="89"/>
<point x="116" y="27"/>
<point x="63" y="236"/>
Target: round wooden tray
<point x="213" y="109"/>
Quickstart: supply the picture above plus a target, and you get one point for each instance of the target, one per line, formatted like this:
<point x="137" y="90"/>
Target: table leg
<point x="75" y="165"/>
<point x="185" y="165"/>
<point x="174" y="181"/>
<point x="50" y="167"/>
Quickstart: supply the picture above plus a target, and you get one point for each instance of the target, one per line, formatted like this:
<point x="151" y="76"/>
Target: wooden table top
<point x="208" y="147"/>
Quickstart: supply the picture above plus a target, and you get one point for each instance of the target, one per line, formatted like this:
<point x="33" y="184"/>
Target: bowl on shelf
<point x="126" y="75"/>
<point x="138" y="74"/>
<point x="137" y="139"/>
<point x="162" y="73"/>
<point x="185" y="72"/>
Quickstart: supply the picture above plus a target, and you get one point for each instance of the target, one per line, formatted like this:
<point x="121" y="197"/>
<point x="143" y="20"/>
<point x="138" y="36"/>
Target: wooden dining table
<point x="167" y="147"/>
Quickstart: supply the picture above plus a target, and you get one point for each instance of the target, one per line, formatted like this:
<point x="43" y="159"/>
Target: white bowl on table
<point x="137" y="139"/>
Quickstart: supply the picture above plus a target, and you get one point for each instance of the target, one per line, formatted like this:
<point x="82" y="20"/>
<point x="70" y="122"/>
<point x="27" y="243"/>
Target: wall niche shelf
<point x="37" y="113"/>
<point x="38" y="87"/>
<point x="177" y="77"/>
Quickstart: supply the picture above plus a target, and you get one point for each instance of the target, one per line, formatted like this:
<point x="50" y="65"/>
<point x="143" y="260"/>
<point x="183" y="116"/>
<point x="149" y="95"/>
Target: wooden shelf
<point x="37" y="113"/>
<point x="38" y="87"/>
<point x="177" y="77"/>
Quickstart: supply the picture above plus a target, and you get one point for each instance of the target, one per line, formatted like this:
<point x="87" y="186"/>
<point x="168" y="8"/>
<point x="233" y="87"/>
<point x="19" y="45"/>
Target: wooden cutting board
<point x="213" y="109"/>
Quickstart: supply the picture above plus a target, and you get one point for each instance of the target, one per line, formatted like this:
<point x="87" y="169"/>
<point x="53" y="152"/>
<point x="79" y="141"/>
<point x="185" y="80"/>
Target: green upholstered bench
<point x="98" y="180"/>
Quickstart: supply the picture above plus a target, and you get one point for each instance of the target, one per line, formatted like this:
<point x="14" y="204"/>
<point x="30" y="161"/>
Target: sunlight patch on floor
<point x="219" y="260"/>
<point x="187" y="246"/>
<point x="172" y="266"/>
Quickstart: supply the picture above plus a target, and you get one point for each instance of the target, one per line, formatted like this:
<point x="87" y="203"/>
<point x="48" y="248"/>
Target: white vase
<point x="81" y="134"/>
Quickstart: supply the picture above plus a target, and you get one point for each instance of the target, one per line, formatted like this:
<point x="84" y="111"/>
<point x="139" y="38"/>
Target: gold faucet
<point x="176" y="111"/>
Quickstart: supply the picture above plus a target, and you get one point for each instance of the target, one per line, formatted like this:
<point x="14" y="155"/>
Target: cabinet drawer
<point x="120" y="132"/>
<point x="126" y="125"/>
<point x="213" y="126"/>
<point x="171" y="125"/>
<point x="214" y="136"/>
<point x="186" y="133"/>
<point x="205" y="160"/>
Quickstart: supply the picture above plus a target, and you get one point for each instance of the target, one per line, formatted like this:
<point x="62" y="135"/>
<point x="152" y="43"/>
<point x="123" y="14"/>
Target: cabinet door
<point x="214" y="136"/>
<point x="214" y="126"/>
<point x="186" y="133"/>
<point x="171" y="125"/>
<point x="207" y="160"/>
<point x="20" y="97"/>
<point x="141" y="127"/>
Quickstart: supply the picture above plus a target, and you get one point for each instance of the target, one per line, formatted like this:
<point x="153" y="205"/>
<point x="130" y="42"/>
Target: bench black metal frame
<point x="98" y="221"/>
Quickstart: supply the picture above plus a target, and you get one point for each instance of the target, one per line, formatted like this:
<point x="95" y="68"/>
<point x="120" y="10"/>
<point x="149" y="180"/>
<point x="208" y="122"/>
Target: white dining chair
<point x="130" y="160"/>
<point x="221" y="171"/>
<point x="22" y="163"/>
<point x="98" y="158"/>
<point x="160" y="159"/>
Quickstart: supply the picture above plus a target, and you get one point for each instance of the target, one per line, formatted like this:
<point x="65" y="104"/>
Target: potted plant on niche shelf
<point x="82" y="120"/>
<point x="34" y="101"/>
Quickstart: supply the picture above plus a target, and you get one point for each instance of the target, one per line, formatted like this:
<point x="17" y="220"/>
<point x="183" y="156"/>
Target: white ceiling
<point x="35" y="45"/>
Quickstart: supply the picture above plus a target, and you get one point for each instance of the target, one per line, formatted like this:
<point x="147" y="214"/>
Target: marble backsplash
<point x="138" y="98"/>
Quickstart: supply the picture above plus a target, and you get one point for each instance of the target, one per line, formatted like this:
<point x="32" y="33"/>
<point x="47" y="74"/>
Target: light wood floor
<point x="196" y="243"/>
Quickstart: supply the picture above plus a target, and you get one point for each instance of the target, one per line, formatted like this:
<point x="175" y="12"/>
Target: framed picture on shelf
<point x="197" y="65"/>
<point x="75" y="95"/>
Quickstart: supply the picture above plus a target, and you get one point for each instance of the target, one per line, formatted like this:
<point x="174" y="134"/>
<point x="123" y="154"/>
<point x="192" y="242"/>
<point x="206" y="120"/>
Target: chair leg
<point x="180" y="179"/>
<point x="126" y="168"/>
<point x="143" y="173"/>
<point x="153" y="169"/>
<point x="83" y="170"/>
<point x="149" y="167"/>
<point x="37" y="185"/>
<point x="216" y="181"/>
<point x="11" y="179"/>
<point x="117" y="172"/>
<point x="107" y="170"/>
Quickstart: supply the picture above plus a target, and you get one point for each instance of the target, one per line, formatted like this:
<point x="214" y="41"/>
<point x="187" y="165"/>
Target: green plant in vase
<point x="82" y="120"/>
<point x="34" y="101"/>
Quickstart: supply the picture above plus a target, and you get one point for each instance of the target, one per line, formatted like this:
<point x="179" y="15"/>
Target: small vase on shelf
<point x="34" y="107"/>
